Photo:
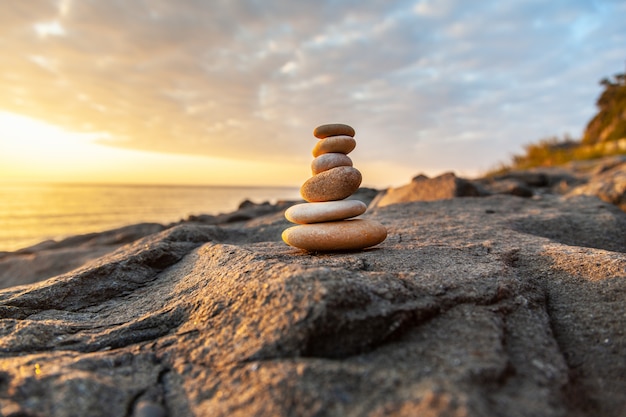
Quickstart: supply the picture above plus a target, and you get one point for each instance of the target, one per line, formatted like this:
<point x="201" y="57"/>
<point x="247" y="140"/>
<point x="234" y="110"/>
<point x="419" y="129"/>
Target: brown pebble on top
<point x="334" y="129"/>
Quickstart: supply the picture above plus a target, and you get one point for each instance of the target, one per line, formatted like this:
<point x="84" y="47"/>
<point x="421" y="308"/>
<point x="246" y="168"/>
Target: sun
<point x="21" y="134"/>
<point x="32" y="149"/>
<point x="35" y="151"/>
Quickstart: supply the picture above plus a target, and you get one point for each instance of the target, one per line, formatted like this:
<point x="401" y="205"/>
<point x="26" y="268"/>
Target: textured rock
<point x="327" y="161"/>
<point x="333" y="129"/>
<point x="599" y="177"/>
<point x="247" y="210"/>
<point x="507" y="186"/>
<point x="334" y="144"/>
<point x="334" y="184"/>
<point x="336" y="236"/>
<point x="52" y="258"/>
<point x="494" y="306"/>
<point x="423" y="188"/>
<point x="530" y="178"/>
<point x="608" y="184"/>
<point x="324" y="211"/>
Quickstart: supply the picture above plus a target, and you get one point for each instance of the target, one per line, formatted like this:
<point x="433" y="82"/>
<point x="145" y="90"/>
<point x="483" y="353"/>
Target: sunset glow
<point x="206" y="93"/>
<point x="32" y="150"/>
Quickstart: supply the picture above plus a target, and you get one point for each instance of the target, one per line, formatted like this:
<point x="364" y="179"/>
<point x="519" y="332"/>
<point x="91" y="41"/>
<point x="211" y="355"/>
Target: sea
<point x="32" y="213"/>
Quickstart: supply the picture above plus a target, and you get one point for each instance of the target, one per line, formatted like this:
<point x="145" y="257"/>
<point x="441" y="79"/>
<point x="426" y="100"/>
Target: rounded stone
<point x="333" y="129"/>
<point x="146" y="408"/>
<point x="343" y="235"/>
<point x="334" y="144"/>
<point x="334" y="184"/>
<point x="328" y="161"/>
<point x="326" y="211"/>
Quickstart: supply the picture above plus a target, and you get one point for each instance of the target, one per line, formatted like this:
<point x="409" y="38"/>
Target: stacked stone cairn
<point x="323" y="223"/>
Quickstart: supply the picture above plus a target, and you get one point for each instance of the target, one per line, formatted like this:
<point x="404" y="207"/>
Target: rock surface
<point x="493" y="306"/>
<point x="604" y="178"/>
<point x="52" y="258"/>
<point x="423" y="188"/>
<point x="608" y="183"/>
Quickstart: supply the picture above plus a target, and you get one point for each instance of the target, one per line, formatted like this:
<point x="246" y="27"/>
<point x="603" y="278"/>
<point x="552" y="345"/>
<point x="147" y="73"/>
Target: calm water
<point x="32" y="213"/>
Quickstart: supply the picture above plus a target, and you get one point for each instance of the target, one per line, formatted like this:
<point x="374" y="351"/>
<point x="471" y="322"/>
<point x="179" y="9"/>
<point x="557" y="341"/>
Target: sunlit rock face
<point x="487" y="306"/>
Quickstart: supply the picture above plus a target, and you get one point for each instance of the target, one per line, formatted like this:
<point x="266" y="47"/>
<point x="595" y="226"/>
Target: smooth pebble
<point x="327" y="161"/>
<point x="334" y="144"/>
<point x="149" y="409"/>
<point x="333" y="129"/>
<point x="326" y="211"/>
<point x="334" y="184"/>
<point x="353" y="234"/>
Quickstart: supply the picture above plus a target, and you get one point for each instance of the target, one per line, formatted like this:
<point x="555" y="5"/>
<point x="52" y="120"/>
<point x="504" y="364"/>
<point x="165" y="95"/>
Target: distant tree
<point x="609" y="123"/>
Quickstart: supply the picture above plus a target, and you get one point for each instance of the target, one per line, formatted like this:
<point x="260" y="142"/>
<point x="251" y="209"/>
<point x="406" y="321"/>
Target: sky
<point x="229" y="92"/>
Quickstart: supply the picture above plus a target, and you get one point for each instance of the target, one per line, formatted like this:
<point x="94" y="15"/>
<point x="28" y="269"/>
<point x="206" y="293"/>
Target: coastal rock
<point x="422" y="188"/>
<point x="507" y="186"/>
<point x="247" y="210"/>
<point x="454" y="294"/>
<point x="534" y="178"/>
<point x="334" y="144"/>
<point x="541" y="180"/>
<point x="324" y="211"/>
<point x="327" y="161"/>
<point x="333" y="129"/>
<point x="485" y="307"/>
<point x="336" y="236"/>
<point x="51" y="258"/>
<point x="608" y="184"/>
<point x="334" y="184"/>
<point x="364" y="194"/>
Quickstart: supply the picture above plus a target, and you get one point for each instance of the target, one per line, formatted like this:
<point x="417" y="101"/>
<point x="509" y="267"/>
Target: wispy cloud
<point x="434" y="84"/>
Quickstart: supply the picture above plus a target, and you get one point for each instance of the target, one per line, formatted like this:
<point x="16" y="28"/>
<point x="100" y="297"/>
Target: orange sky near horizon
<point x="35" y="151"/>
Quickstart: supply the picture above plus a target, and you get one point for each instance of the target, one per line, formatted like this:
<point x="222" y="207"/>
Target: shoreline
<point x="601" y="179"/>
<point x="38" y="212"/>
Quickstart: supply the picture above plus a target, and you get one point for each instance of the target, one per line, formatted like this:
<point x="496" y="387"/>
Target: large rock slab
<point x="471" y="307"/>
<point x="422" y="188"/>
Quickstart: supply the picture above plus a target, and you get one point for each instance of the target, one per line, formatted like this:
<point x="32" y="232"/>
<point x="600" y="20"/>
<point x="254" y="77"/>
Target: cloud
<point x="446" y="84"/>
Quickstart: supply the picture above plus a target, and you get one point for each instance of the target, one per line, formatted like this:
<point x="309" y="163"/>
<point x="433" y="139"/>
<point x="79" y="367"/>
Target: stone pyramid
<point x="326" y="222"/>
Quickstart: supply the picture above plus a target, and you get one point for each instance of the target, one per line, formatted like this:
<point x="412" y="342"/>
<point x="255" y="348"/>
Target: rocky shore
<point x="500" y="296"/>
